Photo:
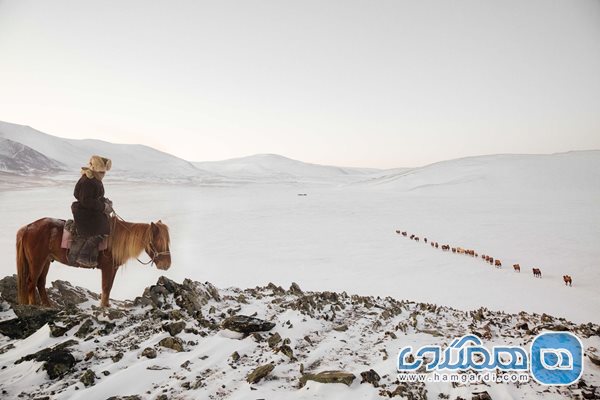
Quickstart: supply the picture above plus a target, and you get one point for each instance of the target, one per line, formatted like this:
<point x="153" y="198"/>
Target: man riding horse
<point x="91" y="212"/>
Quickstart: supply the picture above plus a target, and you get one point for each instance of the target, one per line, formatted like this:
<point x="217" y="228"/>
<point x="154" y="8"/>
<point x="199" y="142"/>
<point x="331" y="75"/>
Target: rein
<point x="154" y="255"/>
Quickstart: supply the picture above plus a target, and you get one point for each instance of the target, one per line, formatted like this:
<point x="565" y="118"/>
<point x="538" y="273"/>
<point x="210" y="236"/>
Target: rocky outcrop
<point x="189" y="296"/>
<point x="29" y="320"/>
<point x="8" y="289"/>
<point x="63" y="294"/>
<point x="172" y="343"/>
<point x="335" y="333"/>
<point x="174" y="328"/>
<point x="88" y="378"/>
<point x="259" y="373"/>
<point x="328" y="377"/>
<point x="246" y="324"/>
<point x="371" y="377"/>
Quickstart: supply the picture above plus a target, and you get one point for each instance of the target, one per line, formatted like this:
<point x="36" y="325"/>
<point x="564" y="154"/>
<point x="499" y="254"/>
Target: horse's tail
<point x="22" y="268"/>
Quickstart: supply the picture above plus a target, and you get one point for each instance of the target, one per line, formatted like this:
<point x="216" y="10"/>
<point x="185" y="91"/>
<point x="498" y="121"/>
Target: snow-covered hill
<point x="16" y="157"/>
<point x="143" y="163"/>
<point x="575" y="171"/>
<point x="129" y="160"/>
<point x="191" y="340"/>
<point x="276" y="168"/>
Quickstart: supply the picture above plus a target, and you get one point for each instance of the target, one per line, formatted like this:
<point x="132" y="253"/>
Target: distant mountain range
<point x="25" y="151"/>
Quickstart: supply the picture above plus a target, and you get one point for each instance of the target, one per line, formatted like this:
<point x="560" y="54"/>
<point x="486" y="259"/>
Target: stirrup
<point x="86" y="264"/>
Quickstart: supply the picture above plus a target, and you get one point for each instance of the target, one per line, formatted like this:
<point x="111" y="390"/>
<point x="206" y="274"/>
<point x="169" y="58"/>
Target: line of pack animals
<point x="537" y="273"/>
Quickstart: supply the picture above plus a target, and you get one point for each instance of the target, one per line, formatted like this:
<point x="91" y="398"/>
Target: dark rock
<point x="113" y="314"/>
<point x="340" y="328"/>
<point x="149" y="352"/>
<point x="409" y="391"/>
<point x="173" y="343"/>
<point x="59" y="363"/>
<point x="589" y="394"/>
<point x="60" y="330"/>
<point x="8" y="289"/>
<point x="546" y="318"/>
<point x="328" y="377"/>
<point x="44" y="354"/>
<point x="64" y="294"/>
<point x="85" y="329"/>
<point x="29" y="320"/>
<point x="57" y="330"/>
<point x="88" y="378"/>
<point x="276" y="289"/>
<point x="287" y="350"/>
<point x="371" y="377"/>
<point x="107" y="329"/>
<point x="245" y="324"/>
<point x="189" y="296"/>
<point x="274" y="340"/>
<point x="523" y="326"/>
<point x="174" y="328"/>
<point x="235" y="356"/>
<point x="594" y="358"/>
<point x="258" y="337"/>
<point x="295" y="289"/>
<point x="6" y="348"/>
<point x="117" y="357"/>
<point x="481" y="396"/>
<point x="133" y="397"/>
<point x="259" y="373"/>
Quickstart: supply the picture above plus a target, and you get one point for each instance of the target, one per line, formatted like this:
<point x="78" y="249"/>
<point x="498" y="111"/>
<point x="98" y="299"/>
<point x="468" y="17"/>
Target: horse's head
<point x="158" y="247"/>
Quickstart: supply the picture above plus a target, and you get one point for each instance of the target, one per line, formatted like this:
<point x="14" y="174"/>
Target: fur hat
<point x="100" y="164"/>
<point x="96" y="164"/>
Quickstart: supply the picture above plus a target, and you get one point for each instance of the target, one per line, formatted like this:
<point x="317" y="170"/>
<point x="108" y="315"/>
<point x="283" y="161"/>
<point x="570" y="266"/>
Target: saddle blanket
<point x="67" y="238"/>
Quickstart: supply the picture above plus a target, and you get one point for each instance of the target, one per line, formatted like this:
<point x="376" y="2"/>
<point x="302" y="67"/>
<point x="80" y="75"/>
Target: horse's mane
<point x="127" y="240"/>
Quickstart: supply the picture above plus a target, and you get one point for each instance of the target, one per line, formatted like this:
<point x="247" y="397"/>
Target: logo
<point x="556" y="358"/>
<point x="465" y="353"/>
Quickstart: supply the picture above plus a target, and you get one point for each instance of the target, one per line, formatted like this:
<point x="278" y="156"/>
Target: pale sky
<point x="353" y="83"/>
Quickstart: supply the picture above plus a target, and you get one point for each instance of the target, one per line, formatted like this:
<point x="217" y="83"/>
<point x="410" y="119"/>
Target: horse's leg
<point x="32" y="282"/>
<point x="41" y="285"/>
<point x="108" y="277"/>
<point x="31" y="294"/>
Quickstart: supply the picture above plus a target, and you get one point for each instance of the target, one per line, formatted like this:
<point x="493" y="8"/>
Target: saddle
<point x="74" y="243"/>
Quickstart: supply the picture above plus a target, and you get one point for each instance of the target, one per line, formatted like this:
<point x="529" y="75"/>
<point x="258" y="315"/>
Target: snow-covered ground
<point x="174" y="343"/>
<point x="540" y="211"/>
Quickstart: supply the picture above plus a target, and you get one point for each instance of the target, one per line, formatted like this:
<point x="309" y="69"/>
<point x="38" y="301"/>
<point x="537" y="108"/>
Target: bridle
<point x="155" y="254"/>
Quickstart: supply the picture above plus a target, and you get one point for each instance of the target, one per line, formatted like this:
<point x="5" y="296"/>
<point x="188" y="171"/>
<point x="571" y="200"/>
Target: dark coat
<point x="88" y="211"/>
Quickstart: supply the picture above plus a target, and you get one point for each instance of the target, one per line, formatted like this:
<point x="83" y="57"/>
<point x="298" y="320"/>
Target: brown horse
<point x="39" y="243"/>
<point x="568" y="280"/>
<point x="537" y="273"/>
<point x="517" y="267"/>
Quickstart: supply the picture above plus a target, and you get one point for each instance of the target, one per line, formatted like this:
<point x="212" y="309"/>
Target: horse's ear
<point x="159" y="221"/>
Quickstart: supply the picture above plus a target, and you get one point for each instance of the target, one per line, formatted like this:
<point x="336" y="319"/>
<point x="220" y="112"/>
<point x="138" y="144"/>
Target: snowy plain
<point x="541" y="211"/>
